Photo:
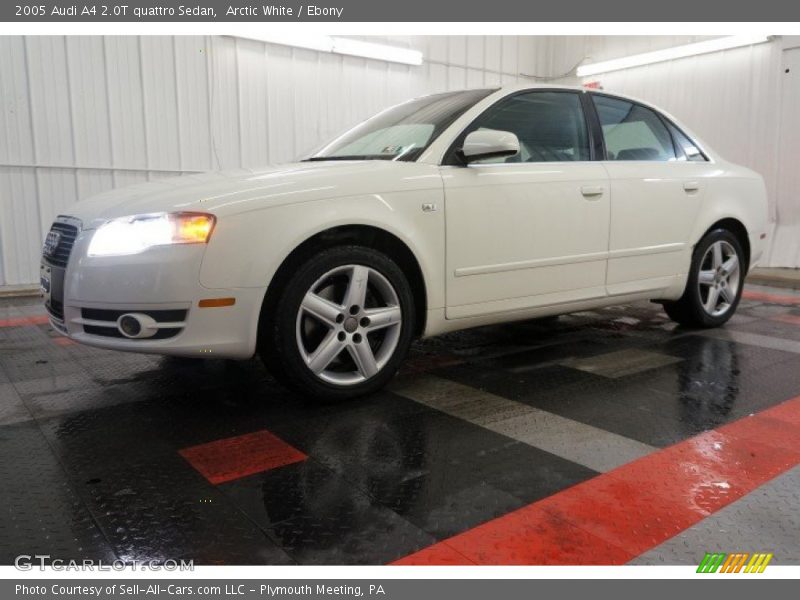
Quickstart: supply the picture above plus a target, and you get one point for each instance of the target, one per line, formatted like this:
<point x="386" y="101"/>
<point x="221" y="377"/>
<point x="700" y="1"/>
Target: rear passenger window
<point x="633" y="132"/>
<point x="685" y="147"/>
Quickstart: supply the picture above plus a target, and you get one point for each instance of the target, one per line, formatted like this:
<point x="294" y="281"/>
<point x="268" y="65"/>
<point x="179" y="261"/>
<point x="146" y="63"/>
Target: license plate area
<point x="45" y="283"/>
<point x="51" y="281"/>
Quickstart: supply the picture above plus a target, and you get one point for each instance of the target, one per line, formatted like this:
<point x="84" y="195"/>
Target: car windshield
<point x="402" y="132"/>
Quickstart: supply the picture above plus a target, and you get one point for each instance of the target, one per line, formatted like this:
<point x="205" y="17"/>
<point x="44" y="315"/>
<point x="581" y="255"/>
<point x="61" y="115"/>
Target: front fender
<point x="247" y="249"/>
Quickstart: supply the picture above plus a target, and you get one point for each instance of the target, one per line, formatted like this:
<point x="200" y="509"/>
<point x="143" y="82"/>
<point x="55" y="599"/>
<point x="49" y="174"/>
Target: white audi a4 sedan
<point x="446" y="212"/>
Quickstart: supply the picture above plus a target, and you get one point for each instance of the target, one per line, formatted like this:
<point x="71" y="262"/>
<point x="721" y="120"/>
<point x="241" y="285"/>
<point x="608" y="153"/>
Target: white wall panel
<point x="19" y="210"/>
<point x="786" y="246"/>
<point x="308" y="99"/>
<point x="509" y="55"/>
<point x="194" y="117"/>
<point x="20" y="225"/>
<point x="160" y="102"/>
<point x="731" y="99"/>
<point x="253" y="106"/>
<point x="125" y="103"/>
<point x="16" y="139"/>
<point x="81" y="115"/>
<point x="84" y="114"/>
<point x="57" y="190"/>
<point x="93" y="181"/>
<point x="224" y="84"/>
<point x="280" y="102"/>
<point x="493" y="53"/>
<point x="49" y="88"/>
<point x="475" y="52"/>
<point x="88" y="101"/>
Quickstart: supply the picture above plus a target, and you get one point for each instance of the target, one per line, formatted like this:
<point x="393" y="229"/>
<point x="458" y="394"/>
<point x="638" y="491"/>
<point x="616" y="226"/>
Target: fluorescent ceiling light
<point x="339" y="45"/>
<point x="637" y="60"/>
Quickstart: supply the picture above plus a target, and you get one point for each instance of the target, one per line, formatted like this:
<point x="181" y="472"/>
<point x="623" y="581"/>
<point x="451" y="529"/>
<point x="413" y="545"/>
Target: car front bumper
<point x="162" y="282"/>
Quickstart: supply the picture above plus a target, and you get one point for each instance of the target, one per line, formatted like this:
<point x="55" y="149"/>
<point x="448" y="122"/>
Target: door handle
<point x="592" y="191"/>
<point x="690" y="186"/>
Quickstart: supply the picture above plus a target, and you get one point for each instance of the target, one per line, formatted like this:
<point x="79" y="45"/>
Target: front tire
<point x="715" y="283"/>
<point x="342" y="325"/>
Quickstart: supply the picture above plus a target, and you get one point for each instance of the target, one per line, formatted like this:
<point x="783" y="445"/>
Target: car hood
<point x="232" y="192"/>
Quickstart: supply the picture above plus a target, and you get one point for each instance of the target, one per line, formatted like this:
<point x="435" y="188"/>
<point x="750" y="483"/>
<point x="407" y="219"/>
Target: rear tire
<point x="714" y="287"/>
<point x="341" y="326"/>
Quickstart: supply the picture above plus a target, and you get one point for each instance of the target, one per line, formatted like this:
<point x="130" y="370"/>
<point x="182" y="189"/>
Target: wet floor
<point x="113" y="455"/>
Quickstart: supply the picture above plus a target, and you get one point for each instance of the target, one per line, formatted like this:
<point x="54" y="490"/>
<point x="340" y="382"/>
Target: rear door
<point x="657" y="183"/>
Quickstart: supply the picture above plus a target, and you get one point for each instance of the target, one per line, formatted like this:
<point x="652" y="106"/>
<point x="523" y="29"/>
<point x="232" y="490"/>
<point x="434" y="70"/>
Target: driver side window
<point x="550" y="127"/>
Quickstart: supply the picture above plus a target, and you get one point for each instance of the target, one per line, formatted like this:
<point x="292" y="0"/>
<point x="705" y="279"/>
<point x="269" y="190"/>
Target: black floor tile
<point x="40" y="511"/>
<point x="318" y="516"/>
<point x="774" y="328"/>
<point x="163" y="509"/>
<point x="716" y="381"/>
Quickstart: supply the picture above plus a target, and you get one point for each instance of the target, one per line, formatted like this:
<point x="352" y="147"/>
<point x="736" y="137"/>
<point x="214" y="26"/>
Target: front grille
<point x="68" y="233"/>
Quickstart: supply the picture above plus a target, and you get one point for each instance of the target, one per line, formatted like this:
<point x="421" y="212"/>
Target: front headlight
<point x="137" y="233"/>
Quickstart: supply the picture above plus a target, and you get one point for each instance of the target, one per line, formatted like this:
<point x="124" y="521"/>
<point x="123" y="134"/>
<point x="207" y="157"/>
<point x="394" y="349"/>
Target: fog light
<point x="129" y="326"/>
<point x="137" y="325"/>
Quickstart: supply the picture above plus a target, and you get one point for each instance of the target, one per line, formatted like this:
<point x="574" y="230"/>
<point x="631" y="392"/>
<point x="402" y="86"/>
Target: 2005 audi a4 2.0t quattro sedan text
<point x="445" y="212"/>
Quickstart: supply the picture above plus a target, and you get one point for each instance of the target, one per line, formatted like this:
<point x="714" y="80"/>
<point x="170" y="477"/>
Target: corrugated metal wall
<point x="85" y="114"/>
<point x="732" y="99"/>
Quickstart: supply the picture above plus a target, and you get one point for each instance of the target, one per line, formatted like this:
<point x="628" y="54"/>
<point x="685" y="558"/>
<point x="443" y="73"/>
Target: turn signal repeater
<point x="216" y="302"/>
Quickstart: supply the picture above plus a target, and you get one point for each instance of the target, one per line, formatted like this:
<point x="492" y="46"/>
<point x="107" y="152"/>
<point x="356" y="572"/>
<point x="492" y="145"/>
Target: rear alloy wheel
<point x="718" y="279"/>
<point x="715" y="282"/>
<point x="351" y="317"/>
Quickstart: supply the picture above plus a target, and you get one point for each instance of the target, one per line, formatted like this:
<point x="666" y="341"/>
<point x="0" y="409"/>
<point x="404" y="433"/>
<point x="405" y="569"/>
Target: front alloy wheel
<point x="341" y="325"/>
<point x="348" y="325"/>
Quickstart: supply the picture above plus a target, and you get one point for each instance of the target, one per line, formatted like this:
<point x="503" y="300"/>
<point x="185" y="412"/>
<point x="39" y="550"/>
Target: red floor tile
<point x="438" y="554"/>
<point x="771" y="298"/>
<point x="622" y="513"/>
<point x="240" y="456"/>
<point x="707" y="472"/>
<point x="529" y="536"/>
<point x="24" y="321"/>
<point x="788" y="411"/>
<point x="773" y="431"/>
<point x="791" y="319"/>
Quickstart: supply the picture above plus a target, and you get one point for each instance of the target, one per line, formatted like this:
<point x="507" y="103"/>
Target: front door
<point x="532" y="229"/>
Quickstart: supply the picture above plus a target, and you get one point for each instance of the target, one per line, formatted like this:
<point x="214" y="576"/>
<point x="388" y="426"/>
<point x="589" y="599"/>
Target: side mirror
<point x="489" y="143"/>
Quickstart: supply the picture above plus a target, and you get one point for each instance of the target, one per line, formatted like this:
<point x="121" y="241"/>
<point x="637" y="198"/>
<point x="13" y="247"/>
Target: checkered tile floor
<point x="598" y="438"/>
